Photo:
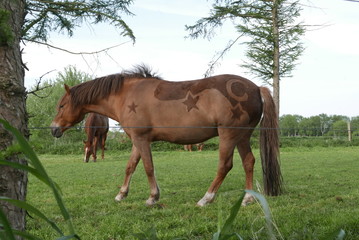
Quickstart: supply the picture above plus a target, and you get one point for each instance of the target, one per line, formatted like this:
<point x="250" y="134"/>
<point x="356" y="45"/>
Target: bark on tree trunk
<point x="349" y="131"/>
<point x="276" y="55"/>
<point x="13" y="183"/>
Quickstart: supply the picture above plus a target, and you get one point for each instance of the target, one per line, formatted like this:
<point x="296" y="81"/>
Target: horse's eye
<point x="61" y="106"/>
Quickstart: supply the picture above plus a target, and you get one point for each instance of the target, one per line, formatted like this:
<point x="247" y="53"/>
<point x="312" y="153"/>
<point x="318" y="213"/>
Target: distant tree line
<point x="320" y="125"/>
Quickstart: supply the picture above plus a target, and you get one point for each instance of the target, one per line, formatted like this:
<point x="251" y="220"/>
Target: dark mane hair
<point x="140" y="71"/>
<point x="90" y="91"/>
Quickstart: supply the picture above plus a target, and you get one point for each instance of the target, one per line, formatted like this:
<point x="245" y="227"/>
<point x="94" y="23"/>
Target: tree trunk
<point x="275" y="31"/>
<point x="13" y="183"/>
<point x="349" y="131"/>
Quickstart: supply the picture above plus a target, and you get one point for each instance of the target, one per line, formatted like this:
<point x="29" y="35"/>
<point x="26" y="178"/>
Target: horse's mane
<point x="90" y="91"/>
<point x="140" y="71"/>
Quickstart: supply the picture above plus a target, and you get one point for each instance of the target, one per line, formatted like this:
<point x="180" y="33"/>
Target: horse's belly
<point x="185" y="134"/>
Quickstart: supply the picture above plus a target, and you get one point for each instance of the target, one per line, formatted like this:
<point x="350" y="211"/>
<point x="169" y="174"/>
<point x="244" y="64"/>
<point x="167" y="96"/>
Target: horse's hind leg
<point x="94" y="147"/>
<point x="226" y="148"/>
<point x="103" y="142"/>
<point x="130" y="169"/>
<point x="150" y="172"/>
<point x="248" y="161"/>
<point x="144" y="148"/>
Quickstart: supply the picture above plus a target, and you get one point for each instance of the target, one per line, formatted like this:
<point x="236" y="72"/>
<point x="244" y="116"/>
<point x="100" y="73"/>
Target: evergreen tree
<point x="272" y="28"/>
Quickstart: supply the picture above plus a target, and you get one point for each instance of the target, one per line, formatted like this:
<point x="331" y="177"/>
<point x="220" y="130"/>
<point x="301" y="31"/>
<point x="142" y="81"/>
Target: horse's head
<point x="67" y="115"/>
<point x="88" y="150"/>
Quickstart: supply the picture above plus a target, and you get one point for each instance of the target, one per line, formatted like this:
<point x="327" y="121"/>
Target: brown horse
<point x="96" y="128"/>
<point x="198" y="145"/>
<point x="150" y="109"/>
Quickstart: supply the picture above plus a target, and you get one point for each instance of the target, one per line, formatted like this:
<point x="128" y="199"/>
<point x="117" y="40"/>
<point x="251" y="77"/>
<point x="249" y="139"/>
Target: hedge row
<point x="120" y="142"/>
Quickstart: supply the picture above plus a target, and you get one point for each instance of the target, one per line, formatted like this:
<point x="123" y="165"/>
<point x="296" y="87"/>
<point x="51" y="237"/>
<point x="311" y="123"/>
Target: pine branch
<point x="77" y="53"/>
<point x="47" y="15"/>
<point x="39" y="88"/>
<point x="213" y="64"/>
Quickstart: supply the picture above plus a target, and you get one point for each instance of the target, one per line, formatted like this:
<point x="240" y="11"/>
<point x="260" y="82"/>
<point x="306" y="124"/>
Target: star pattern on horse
<point x="190" y="102"/>
<point x="132" y="107"/>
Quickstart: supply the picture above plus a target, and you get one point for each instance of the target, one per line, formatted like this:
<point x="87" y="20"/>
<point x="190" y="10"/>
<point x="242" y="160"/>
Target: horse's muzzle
<point x="56" y="132"/>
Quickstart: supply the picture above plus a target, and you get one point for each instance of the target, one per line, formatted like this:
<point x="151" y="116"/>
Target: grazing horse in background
<point x="198" y="145"/>
<point x="96" y="128"/>
<point x="151" y="109"/>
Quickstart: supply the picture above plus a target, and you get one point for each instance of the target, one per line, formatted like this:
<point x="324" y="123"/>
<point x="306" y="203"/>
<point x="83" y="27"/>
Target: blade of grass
<point x="341" y="235"/>
<point x="68" y="237"/>
<point x="29" y="169"/>
<point x="267" y="213"/>
<point x="34" y="161"/>
<point x="226" y="231"/>
<point x="30" y="208"/>
<point x="5" y="231"/>
<point x="26" y="235"/>
<point x="336" y="235"/>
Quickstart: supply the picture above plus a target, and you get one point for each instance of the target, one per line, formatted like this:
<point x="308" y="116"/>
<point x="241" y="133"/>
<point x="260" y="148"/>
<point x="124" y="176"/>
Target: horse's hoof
<point x="248" y="199"/>
<point x="151" y="201"/>
<point x="201" y="203"/>
<point x="208" y="198"/>
<point x="119" y="197"/>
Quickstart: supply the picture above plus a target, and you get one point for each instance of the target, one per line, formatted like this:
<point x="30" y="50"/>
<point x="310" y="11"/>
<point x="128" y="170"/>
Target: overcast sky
<point x="326" y="79"/>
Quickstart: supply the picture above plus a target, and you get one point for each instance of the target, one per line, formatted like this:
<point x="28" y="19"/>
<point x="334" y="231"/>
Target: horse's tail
<point x="269" y="145"/>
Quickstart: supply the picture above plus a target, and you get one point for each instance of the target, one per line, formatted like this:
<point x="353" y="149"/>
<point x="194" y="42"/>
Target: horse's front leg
<point x="130" y="169"/>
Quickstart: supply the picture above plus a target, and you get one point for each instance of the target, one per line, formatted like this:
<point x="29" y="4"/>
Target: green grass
<point x="321" y="196"/>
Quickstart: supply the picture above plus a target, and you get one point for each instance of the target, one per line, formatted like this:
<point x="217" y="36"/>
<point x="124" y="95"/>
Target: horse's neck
<point x="105" y="107"/>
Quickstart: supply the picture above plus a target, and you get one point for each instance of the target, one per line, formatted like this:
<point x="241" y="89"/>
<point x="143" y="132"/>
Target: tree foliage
<point x="255" y="19"/>
<point x="6" y="35"/>
<point x="43" y="17"/>
<point x="319" y="125"/>
<point x="290" y="124"/>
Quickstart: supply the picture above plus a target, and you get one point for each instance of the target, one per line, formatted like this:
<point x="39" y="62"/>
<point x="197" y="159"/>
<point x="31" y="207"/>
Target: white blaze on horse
<point x="187" y="112"/>
<point x="96" y="128"/>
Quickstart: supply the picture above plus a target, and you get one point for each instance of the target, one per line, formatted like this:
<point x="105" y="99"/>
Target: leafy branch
<point x="77" y="53"/>
<point x="40" y="87"/>
<point x="63" y="16"/>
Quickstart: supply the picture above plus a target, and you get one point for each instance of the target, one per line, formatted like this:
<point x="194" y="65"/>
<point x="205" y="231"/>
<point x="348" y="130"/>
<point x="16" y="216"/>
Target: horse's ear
<point x="84" y="141"/>
<point x="67" y="88"/>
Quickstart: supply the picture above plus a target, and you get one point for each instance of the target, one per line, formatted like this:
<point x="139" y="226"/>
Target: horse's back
<point x="97" y="124"/>
<point x="191" y="111"/>
<point x="103" y="123"/>
<point x="222" y="99"/>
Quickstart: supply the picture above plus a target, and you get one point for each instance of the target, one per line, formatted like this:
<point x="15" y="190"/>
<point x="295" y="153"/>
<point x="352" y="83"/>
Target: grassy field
<point x="321" y="196"/>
